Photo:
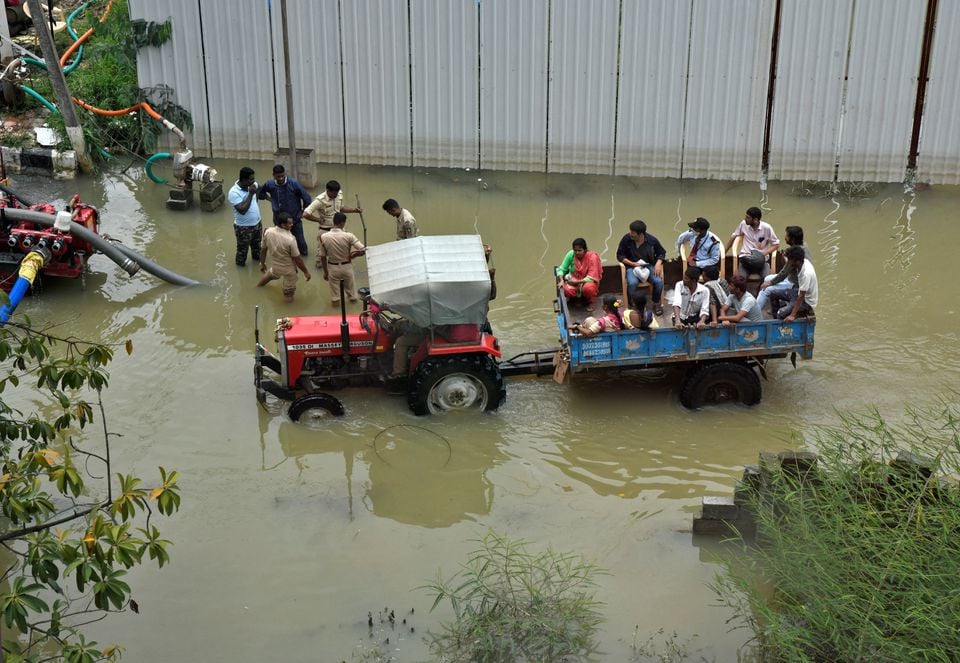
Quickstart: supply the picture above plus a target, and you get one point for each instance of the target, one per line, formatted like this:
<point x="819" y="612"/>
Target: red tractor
<point x="431" y="294"/>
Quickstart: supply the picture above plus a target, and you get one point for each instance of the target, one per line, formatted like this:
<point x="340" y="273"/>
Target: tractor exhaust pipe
<point x="344" y="327"/>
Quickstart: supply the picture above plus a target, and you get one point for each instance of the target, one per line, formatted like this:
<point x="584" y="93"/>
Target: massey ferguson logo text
<point x="328" y="346"/>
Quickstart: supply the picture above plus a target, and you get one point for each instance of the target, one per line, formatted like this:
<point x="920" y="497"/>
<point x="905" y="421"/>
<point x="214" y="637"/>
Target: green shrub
<point x="861" y="564"/>
<point x="514" y="605"/>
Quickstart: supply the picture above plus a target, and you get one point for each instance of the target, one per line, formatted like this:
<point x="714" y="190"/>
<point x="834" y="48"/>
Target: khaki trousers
<point x="337" y="274"/>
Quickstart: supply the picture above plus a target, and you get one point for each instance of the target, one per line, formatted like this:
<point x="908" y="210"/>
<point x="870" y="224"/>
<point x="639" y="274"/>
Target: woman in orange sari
<point x="580" y="273"/>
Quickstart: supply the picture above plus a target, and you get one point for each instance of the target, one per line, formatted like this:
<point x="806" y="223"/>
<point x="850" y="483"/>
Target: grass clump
<point x="511" y="604"/>
<point x="860" y="563"/>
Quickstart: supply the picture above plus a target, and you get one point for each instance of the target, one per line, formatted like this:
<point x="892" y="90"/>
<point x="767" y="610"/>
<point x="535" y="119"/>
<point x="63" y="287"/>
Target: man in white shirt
<point x="759" y="241"/>
<point x="691" y="302"/>
<point x="805" y="300"/>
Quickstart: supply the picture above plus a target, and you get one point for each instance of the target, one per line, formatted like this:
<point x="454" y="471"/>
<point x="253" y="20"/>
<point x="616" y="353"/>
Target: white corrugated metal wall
<point x="653" y="87"/>
<point x="662" y="88"/>
<point x="446" y="107"/>
<point x="727" y="88"/>
<point x="811" y="65"/>
<point x="939" y="159"/>
<point x="583" y="86"/>
<point x="513" y="84"/>
<point x="314" y="29"/>
<point x="178" y="63"/>
<point x="881" y="86"/>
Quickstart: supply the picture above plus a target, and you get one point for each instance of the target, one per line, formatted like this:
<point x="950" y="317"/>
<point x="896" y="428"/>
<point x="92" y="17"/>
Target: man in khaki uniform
<point x="280" y="244"/>
<point x="406" y="224"/>
<point x="322" y="209"/>
<point x="338" y="248"/>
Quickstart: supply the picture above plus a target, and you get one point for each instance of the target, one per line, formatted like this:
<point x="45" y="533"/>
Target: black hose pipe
<point x="153" y="268"/>
<point x="129" y="260"/>
<point x="13" y="194"/>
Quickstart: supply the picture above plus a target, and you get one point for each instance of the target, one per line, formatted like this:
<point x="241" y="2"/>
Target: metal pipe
<point x="291" y="134"/>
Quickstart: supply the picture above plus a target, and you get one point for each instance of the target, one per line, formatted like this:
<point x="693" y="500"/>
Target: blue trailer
<point x="724" y="363"/>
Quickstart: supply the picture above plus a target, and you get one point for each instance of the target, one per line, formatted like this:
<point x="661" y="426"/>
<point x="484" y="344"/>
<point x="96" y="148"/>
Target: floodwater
<point x="289" y="536"/>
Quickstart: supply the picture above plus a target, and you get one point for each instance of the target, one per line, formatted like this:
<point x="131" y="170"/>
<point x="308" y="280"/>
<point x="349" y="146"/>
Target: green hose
<point x="148" y="166"/>
<point x="39" y="97"/>
<point x="73" y="35"/>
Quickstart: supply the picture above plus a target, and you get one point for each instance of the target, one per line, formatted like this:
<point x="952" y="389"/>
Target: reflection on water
<point x="407" y="472"/>
<point x="290" y="535"/>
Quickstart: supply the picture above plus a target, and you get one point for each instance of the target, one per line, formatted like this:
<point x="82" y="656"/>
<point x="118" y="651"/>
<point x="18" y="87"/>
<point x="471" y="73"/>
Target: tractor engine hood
<point x="431" y="281"/>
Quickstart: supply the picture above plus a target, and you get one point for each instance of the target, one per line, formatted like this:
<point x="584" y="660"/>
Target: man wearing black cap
<point x="704" y="248"/>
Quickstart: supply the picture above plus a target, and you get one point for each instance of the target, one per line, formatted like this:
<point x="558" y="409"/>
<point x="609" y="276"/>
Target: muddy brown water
<point x="288" y="536"/>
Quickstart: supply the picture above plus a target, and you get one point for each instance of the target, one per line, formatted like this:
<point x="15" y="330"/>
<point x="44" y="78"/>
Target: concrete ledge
<point x="40" y="161"/>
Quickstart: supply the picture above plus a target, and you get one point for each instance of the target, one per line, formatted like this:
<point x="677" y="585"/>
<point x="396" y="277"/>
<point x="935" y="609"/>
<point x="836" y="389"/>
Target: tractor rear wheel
<point x="314" y="407"/>
<point x="721" y="382"/>
<point x="462" y="382"/>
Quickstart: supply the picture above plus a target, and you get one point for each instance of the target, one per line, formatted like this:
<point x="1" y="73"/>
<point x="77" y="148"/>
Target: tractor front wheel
<point x="312" y="408"/>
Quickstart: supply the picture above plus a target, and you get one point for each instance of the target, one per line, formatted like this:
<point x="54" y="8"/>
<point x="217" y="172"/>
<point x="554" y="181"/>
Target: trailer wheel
<point x="460" y="382"/>
<point x="720" y="382"/>
<point x="314" y="407"/>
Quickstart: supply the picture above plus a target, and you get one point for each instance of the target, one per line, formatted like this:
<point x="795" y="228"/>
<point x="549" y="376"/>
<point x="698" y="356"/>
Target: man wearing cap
<point x="759" y="241"/>
<point x="704" y="248"/>
<point x="322" y="209"/>
<point x="643" y="255"/>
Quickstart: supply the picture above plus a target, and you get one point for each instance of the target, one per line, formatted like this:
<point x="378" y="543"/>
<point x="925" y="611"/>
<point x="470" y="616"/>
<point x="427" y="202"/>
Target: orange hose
<point x="75" y="45"/>
<point x="125" y="111"/>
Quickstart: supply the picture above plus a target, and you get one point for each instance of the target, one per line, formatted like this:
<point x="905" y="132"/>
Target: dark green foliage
<point x="862" y="564"/>
<point x="69" y="534"/>
<point x="107" y="79"/>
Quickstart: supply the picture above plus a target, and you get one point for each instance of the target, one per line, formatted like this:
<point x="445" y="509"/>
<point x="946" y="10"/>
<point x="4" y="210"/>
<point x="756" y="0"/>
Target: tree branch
<point x="15" y="534"/>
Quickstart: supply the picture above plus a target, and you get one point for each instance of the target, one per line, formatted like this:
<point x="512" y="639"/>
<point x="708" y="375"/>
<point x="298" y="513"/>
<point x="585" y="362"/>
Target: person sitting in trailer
<point x="643" y="255"/>
<point x="704" y="248"/>
<point x="579" y="274"/>
<point x="609" y="321"/>
<point x="740" y="305"/>
<point x="691" y="302"/>
<point x="780" y="285"/>
<point x="803" y="300"/>
<point x="759" y="241"/>
<point x="638" y="317"/>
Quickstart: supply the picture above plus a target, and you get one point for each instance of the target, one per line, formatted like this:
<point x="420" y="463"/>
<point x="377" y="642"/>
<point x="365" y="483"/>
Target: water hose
<point x="153" y="268"/>
<point x="73" y="35"/>
<point x="39" y="97"/>
<point x="86" y="35"/>
<point x="14" y="194"/>
<point x="30" y="266"/>
<point x="144" y="106"/>
<point x="148" y="166"/>
<point x="128" y="259"/>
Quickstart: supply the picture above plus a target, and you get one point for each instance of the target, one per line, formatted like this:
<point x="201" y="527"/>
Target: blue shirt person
<point x="246" y="216"/>
<point x="287" y="195"/>
<point x="704" y="247"/>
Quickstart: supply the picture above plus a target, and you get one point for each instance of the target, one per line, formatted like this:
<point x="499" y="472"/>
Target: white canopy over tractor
<point x="433" y="280"/>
